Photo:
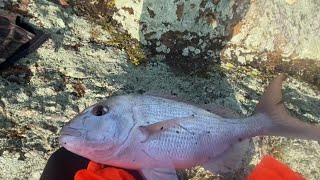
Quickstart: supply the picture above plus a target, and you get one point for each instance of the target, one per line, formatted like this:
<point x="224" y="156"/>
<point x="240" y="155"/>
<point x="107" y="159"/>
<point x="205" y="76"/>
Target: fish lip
<point x="69" y="131"/>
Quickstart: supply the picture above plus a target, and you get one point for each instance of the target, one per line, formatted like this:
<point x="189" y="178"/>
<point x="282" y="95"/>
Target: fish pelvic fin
<point x="282" y="124"/>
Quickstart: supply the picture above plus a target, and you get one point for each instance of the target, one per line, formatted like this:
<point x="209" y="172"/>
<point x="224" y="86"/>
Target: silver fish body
<point x="158" y="135"/>
<point x="195" y="136"/>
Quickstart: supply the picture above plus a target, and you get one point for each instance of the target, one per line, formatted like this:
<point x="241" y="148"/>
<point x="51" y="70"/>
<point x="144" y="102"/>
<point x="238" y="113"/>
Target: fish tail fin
<point x="282" y="124"/>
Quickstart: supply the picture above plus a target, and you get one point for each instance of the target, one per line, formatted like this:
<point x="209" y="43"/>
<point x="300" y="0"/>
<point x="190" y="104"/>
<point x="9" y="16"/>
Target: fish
<point x="158" y="135"/>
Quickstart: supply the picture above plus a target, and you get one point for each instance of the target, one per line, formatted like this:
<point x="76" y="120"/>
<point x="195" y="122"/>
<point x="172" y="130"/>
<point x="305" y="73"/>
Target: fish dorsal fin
<point x="220" y="110"/>
<point x="164" y="95"/>
<point x="213" y="108"/>
<point x="158" y="127"/>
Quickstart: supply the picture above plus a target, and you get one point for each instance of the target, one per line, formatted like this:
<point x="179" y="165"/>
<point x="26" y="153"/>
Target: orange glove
<point x="269" y="168"/>
<point x="97" y="171"/>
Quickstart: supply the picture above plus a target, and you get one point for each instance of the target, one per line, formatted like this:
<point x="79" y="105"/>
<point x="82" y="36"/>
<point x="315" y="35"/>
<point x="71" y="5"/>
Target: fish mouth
<point x="69" y="131"/>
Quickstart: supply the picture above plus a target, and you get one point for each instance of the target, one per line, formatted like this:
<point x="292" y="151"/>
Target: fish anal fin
<point x="159" y="174"/>
<point x="229" y="161"/>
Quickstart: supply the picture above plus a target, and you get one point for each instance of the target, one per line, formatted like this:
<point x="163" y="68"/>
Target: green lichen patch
<point x="272" y="63"/>
<point x="101" y="12"/>
<point x="94" y="9"/>
<point x="133" y="48"/>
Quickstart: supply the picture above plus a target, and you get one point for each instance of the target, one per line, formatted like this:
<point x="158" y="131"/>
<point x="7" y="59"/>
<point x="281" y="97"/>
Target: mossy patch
<point x="133" y="48"/>
<point x="101" y="12"/>
<point x="307" y="70"/>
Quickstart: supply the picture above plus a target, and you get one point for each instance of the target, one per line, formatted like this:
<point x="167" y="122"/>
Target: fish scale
<point x="182" y="145"/>
<point x="168" y="144"/>
<point x="154" y="112"/>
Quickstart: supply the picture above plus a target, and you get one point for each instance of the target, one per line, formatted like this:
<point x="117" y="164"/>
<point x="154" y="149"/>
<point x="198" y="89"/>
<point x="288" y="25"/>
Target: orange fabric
<point x="96" y="171"/>
<point x="271" y="169"/>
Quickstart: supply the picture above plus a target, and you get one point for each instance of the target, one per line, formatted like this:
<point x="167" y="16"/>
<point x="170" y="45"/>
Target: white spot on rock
<point x="185" y="52"/>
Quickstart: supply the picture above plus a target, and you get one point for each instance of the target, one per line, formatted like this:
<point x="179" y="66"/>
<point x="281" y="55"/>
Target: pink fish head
<point x="99" y="130"/>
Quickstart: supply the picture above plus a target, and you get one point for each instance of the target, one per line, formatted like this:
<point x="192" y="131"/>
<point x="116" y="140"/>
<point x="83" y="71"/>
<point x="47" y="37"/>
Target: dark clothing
<point x="63" y="165"/>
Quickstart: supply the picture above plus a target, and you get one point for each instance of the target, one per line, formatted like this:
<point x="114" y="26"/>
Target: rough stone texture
<point x="190" y="34"/>
<point x="263" y="34"/>
<point x="82" y="64"/>
<point x="290" y="28"/>
<point x="276" y="32"/>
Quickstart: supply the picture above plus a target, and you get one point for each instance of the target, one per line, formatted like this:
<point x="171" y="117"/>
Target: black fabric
<point x="39" y="38"/>
<point x="63" y="165"/>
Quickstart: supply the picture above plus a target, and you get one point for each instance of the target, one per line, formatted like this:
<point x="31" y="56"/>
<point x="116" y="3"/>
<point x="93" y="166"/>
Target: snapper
<point x="159" y="135"/>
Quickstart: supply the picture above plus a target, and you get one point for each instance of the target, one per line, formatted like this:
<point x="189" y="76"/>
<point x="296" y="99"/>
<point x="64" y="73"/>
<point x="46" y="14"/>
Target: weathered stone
<point x="279" y="36"/>
<point x="254" y="31"/>
<point x="290" y="28"/>
<point x="172" y="27"/>
<point x="80" y="50"/>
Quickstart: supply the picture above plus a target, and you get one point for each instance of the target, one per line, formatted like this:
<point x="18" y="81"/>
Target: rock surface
<point x="86" y="60"/>
<point x="289" y="28"/>
<point x="279" y="36"/>
<point x="192" y="34"/>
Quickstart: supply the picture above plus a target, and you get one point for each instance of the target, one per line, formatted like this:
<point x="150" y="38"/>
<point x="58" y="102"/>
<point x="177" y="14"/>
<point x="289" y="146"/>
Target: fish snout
<point x="69" y="131"/>
<point x="68" y="136"/>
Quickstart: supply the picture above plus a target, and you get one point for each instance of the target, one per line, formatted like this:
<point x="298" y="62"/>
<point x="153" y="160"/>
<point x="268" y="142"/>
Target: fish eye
<point x="100" y="110"/>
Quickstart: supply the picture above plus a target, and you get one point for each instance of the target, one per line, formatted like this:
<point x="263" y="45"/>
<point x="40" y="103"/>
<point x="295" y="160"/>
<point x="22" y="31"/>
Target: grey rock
<point x="32" y="113"/>
<point x="201" y="25"/>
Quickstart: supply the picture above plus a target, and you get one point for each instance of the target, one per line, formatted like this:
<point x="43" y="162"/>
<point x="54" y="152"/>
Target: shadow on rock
<point x="189" y="34"/>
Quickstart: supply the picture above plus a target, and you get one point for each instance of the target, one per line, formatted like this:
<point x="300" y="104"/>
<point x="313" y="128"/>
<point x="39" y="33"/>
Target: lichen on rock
<point x="88" y="59"/>
<point x="102" y="12"/>
<point x="172" y="27"/>
<point x="279" y="36"/>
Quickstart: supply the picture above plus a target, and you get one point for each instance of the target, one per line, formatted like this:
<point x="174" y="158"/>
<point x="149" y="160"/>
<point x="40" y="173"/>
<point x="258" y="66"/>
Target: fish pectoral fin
<point x="159" y="174"/>
<point x="229" y="161"/>
<point x="162" y="126"/>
